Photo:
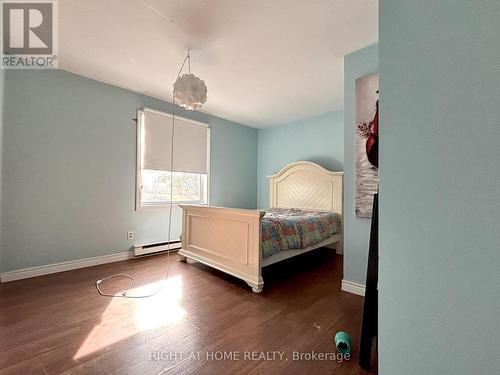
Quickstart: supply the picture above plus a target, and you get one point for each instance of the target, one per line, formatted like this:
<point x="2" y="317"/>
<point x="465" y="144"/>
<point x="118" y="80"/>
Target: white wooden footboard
<point x="224" y="238"/>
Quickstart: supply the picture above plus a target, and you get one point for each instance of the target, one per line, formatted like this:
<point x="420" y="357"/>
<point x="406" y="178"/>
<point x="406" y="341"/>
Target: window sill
<point x="162" y="205"/>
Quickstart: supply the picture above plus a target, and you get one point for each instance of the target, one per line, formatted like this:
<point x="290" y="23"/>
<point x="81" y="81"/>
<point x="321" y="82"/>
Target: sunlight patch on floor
<point x="138" y="315"/>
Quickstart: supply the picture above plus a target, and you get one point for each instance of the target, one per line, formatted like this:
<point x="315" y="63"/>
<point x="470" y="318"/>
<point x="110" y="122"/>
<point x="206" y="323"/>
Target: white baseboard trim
<point x="352" y="287"/>
<point x="25" y="273"/>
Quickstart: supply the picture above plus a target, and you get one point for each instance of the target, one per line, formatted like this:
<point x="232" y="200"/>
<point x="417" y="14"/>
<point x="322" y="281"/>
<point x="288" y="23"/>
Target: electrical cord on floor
<point x="123" y="293"/>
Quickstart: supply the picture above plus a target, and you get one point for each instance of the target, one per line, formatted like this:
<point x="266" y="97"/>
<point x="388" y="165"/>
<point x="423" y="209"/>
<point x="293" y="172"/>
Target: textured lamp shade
<point x="190" y="92"/>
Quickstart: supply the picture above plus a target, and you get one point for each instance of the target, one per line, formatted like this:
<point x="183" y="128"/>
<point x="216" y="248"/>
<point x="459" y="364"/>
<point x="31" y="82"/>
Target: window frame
<point x="139" y="205"/>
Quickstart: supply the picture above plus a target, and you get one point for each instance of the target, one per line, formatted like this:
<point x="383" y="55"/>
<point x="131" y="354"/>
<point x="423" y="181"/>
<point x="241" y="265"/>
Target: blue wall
<point x="439" y="287"/>
<point x="356" y="230"/>
<point x="68" y="183"/>
<point x="318" y="139"/>
<point x="233" y="164"/>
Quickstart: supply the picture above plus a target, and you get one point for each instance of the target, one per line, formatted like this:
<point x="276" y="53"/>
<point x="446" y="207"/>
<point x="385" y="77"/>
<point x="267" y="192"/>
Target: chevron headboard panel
<point x="306" y="185"/>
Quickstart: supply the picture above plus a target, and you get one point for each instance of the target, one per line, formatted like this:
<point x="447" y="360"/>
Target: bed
<point x="231" y="239"/>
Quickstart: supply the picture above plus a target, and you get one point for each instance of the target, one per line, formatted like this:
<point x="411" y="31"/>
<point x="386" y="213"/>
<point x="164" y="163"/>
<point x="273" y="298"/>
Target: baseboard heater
<point x="155" y="248"/>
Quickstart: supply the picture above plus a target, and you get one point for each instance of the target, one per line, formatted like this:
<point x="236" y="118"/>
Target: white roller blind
<point x="190" y="143"/>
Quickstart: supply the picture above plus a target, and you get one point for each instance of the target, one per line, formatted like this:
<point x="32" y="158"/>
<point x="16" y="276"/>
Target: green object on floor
<point x="343" y="342"/>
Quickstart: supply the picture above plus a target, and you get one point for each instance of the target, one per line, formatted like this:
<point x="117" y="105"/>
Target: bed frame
<point x="229" y="239"/>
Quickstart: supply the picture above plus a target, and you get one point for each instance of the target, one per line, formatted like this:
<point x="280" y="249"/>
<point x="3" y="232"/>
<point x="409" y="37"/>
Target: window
<point x="189" y="175"/>
<point x="186" y="187"/>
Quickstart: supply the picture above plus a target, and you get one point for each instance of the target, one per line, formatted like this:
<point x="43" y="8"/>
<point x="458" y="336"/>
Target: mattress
<point x="291" y="228"/>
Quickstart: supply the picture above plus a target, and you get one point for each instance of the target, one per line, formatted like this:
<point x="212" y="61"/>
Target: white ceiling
<point x="265" y="62"/>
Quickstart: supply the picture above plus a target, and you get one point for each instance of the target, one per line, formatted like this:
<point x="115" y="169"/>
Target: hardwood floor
<point x="59" y="324"/>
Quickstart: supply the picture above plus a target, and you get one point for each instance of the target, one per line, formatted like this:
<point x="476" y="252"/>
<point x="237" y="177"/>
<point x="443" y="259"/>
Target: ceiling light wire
<point x="123" y="293"/>
<point x="155" y="10"/>
<point x="187" y="58"/>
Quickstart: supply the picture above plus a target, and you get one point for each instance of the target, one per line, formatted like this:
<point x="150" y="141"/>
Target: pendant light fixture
<point x="190" y="91"/>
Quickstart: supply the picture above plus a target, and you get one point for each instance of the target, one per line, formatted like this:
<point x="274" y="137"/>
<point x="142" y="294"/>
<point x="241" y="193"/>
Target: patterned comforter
<point x="290" y="228"/>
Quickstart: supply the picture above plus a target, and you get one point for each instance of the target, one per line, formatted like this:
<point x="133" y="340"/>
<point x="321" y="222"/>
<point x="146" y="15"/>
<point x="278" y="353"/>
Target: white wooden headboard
<point x="306" y="185"/>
